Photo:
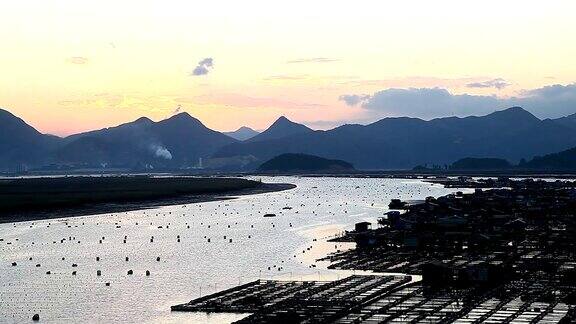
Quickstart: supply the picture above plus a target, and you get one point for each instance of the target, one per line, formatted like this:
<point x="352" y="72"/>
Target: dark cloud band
<point x="546" y="102"/>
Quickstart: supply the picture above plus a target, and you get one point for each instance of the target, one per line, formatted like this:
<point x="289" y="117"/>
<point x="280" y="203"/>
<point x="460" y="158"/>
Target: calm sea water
<point x="202" y="247"/>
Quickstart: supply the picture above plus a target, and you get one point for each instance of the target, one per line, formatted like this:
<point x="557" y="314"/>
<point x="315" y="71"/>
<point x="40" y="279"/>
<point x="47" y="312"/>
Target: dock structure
<point x="417" y="303"/>
<point x="296" y="301"/>
<point x="383" y="299"/>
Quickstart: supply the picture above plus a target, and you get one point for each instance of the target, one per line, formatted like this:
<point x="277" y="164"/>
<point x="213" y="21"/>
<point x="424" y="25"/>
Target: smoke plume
<point x="161" y="152"/>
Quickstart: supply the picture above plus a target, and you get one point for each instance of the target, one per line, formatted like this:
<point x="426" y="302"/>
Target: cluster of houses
<point x="528" y="214"/>
<point x="523" y="231"/>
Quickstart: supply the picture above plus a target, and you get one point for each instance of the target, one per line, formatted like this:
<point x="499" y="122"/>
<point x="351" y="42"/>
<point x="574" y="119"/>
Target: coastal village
<point x="501" y="254"/>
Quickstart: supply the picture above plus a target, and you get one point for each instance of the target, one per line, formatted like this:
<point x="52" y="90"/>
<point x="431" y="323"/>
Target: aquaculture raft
<point x="319" y="301"/>
<point x="376" y="299"/>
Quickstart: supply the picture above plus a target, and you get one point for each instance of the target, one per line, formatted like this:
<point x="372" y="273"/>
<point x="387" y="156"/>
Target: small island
<point x="304" y="163"/>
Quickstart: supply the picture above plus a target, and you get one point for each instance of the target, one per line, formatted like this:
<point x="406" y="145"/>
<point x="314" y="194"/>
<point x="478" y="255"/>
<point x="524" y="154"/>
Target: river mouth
<point x="189" y="264"/>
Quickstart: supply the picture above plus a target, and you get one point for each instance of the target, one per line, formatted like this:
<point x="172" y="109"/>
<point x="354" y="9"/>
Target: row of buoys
<point x="213" y="226"/>
<point x="74" y="265"/>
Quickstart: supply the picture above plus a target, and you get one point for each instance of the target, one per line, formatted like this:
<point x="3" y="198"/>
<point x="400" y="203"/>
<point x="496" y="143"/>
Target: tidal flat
<point x="23" y="199"/>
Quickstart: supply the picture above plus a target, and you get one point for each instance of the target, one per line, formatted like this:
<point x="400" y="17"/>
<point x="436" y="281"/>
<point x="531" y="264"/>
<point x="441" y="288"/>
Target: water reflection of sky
<point x="321" y="207"/>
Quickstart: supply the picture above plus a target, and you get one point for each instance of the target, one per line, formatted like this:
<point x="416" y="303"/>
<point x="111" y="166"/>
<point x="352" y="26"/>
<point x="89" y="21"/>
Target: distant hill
<point x="481" y="164"/>
<point x="21" y="145"/>
<point x="401" y="143"/>
<point x="243" y="133"/>
<point x="180" y="140"/>
<point x="113" y="145"/>
<point x="303" y="163"/>
<point x="565" y="160"/>
<point x="281" y="128"/>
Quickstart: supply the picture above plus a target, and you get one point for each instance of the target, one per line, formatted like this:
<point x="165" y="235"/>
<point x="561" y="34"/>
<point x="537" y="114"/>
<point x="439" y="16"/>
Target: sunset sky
<point x="71" y="66"/>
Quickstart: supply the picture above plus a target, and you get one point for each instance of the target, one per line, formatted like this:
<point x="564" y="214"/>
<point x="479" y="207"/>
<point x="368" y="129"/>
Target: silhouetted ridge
<point x="513" y="114"/>
<point x="143" y="120"/>
<point x="401" y="143"/>
<point x="180" y="140"/>
<point x="282" y="120"/>
<point x="282" y="127"/>
<point x="11" y="123"/>
<point x="183" y="118"/>
<point x="21" y="146"/>
<point x="568" y="121"/>
<point x="480" y="164"/>
<point x="565" y="160"/>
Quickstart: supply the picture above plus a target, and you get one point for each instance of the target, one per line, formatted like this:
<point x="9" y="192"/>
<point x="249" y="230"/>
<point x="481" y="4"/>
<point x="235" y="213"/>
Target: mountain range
<point x="182" y="141"/>
<point x="400" y="143"/>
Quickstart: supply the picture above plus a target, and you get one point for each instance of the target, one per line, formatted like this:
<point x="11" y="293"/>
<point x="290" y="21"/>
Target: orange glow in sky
<point x="71" y="66"/>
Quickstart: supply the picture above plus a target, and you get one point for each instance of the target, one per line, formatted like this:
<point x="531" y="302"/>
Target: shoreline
<point x="117" y="207"/>
<point x="410" y="174"/>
